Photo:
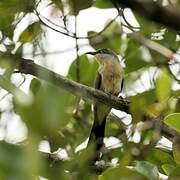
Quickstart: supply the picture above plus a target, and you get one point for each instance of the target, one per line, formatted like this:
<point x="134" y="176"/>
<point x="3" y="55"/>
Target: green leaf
<point x="35" y="85"/>
<point x="78" y="5"/>
<point x="11" y="7"/>
<point x="88" y="69"/>
<point x="176" y="148"/>
<point x="110" y="38"/>
<point x="30" y="33"/>
<point x="177" y="108"/>
<point x="121" y="173"/>
<point x="163" y="86"/>
<point x="58" y="3"/>
<point x="6" y="25"/>
<point x="74" y="133"/>
<point x="175" y="174"/>
<point x="177" y="4"/>
<point x="112" y="128"/>
<point x="173" y="120"/>
<point x="80" y="161"/>
<point x="147" y="169"/>
<point x="86" y="110"/>
<point x="18" y="94"/>
<point x="50" y="111"/>
<point x="135" y="57"/>
<point x="169" y="40"/>
<point x="146" y="27"/>
<point x="13" y="162"/>
<point x="6" y="62"/>
<point x="168" y="168"/>
<point x="159" y="157"/>
<point x="103" y="4"/>
<point x="6" y="21"/>
<point x="10" y="46"/>
<point x="8" y="65"/>
<point x="140" y="104"/>
<point x="117" y="153"/>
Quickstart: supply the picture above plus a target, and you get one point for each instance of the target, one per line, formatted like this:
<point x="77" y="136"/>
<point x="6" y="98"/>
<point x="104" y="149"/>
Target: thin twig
<point x="77" y="52"/>
<point x="77" y="62"/>
<point x="55" y="52"/>
<point x="121" y="14"/>
<point x="128" y="24"/>
<point x="53" y="23"/>
<point x="56" y="30"/>
<point x="70" y="34"/>
<point x="64" y="22"/>
<point x="8" y="93"/>
<point x="37" y="4"/>
<point x="138" y="38"/>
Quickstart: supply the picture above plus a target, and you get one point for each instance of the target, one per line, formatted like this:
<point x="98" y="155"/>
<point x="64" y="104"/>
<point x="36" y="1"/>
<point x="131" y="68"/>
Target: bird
<point x="109" y="79"/>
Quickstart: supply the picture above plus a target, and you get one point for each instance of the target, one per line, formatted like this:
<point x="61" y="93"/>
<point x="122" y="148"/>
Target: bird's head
<point x="105" y="56"/>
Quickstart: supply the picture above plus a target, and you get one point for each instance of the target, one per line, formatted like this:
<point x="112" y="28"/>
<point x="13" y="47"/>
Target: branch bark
<point x="29" y="67"/>
<point x="166" y="15"/>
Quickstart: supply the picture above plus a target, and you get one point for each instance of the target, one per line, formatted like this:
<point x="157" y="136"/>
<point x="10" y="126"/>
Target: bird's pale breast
<point x="112" y="76"/>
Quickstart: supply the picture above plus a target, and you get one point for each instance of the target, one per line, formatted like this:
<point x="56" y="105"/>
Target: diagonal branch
<point x="167" y="53"/>
<point x="29" y="67"/>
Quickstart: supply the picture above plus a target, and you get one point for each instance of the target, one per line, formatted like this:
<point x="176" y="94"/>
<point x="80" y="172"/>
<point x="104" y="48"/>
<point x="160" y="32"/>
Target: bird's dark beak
<point x="92" y="53"/>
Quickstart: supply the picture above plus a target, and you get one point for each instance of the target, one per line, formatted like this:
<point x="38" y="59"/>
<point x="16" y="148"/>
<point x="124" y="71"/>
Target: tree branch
<point x="166" y="15"/>
<point x="29" y="67"/>
<point x="135" y="36"/>
<point x="167" y="53"/>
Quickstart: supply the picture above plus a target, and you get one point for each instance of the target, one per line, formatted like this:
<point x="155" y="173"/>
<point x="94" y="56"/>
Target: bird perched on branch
<point x="109" y="80"/>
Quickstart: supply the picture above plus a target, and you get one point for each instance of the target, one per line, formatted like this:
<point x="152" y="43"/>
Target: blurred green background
<point x="60" y="121"/>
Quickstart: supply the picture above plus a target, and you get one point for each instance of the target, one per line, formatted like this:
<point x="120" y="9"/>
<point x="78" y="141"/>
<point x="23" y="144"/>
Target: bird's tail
<point x="97" y="134"/>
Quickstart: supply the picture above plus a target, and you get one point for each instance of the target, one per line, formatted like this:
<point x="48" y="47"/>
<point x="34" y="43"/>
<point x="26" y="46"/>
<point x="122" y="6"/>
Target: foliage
<point x="173" y="121"/>
<point x="64" y="121"/>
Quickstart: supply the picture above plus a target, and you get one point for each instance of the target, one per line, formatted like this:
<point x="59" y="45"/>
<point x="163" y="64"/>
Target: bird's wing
<point x="98" y="81"/>
<point x="98" y="129"/>
<point x="122" y="84"/>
